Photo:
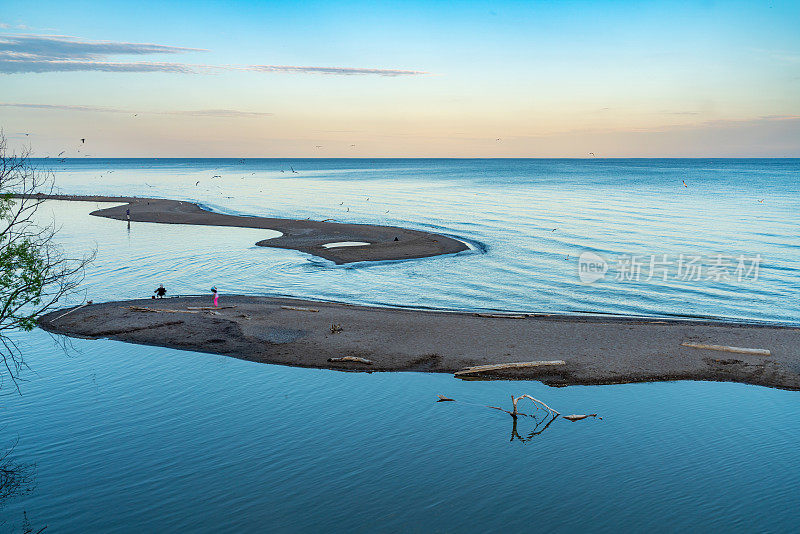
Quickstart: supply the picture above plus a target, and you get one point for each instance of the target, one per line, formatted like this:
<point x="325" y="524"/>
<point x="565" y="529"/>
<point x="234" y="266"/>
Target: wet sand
<point x="596" y="350"/>
<point x="385" y="242"/>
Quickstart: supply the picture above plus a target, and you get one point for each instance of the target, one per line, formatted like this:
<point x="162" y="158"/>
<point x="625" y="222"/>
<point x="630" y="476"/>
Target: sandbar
<point x="386" y="243"/>
<point x="595" y="349"/>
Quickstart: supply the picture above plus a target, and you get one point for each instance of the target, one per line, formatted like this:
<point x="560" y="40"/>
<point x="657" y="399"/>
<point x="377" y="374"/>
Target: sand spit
<point x="594" y="350"/>
<point x="385" y="242"/>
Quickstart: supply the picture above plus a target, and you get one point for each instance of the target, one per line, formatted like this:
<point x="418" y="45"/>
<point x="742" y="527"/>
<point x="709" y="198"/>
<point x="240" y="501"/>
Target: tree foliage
<point x="34" y="272"/>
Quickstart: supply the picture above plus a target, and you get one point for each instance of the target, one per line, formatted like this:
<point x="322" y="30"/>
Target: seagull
<point x="761" y="201"/>
<point x="348" y="209"/>
<point x="340" y="203"/>
<point x="83" y="139"/>
<point x="294" y="171"/>
<point x="498" y="139"/>
<point x="591" y="154"/>
<point x="135" y="114"/>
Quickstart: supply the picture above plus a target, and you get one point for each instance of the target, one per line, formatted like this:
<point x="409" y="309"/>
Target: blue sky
<point x="362" y="79"/>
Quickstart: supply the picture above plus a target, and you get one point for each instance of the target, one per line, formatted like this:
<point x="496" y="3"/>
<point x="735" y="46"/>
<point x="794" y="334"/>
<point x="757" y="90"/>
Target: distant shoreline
<point x="302" y="333"/>
<point x="386" y="243"/>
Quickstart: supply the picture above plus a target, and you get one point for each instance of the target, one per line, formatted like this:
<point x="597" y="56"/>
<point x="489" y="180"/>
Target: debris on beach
<point x="299" y="308"/>
<point x="72" y="310"/>
<point x="336" y="328"/>
<point x="512" y="365"/>
<point x="726" y="348"/>
<point x="153" y="310"/>
<point x="500" y="315"/>
<point x="353" y="359"/>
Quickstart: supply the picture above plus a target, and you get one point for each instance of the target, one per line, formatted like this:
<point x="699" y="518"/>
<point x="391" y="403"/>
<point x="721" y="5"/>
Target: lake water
<point x="129" y="438"/>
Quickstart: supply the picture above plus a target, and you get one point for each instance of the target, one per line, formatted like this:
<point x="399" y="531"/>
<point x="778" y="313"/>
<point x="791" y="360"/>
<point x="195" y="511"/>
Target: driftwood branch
<point x="513" y="365"/>
<point x="299" y="308"/>
<point x="352" y="359"/>
<point x="726" y="348"/>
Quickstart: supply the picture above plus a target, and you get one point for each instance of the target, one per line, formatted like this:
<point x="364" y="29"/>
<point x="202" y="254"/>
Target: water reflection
<point x="541" y="426"/>
<point x="16" y="479"/>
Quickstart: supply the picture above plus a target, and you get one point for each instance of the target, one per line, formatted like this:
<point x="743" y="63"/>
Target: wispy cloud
<point x="49" y="47"/>
<point x="230" y="113"/>
<point x="7" y="26"/>
<point x="21" y="54"/>
<point x="340" y="71"/>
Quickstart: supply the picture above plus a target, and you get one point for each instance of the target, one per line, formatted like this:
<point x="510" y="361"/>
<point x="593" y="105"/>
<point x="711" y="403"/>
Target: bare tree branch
<point x="35" y="273"/>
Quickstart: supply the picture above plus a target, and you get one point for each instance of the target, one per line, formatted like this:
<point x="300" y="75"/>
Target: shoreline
<point x="594" y="349"/>
<point x="386" y="243"/>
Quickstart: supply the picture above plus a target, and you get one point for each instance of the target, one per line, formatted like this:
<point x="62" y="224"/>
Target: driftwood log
<point x="352" y="359"/>
<point x="726" y="348"/>
<point x="513" y="365"/>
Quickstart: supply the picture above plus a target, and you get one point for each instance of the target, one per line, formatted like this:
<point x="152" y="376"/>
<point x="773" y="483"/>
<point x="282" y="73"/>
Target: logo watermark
<point x="593" y="267"/>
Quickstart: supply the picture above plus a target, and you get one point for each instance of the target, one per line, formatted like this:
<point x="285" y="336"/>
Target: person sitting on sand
<point x="160" y="291"/>
<point x="216" y="296"/>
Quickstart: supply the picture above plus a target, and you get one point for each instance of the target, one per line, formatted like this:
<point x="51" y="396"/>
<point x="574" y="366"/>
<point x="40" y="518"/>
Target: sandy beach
<point x="385" y="242"/>
<point x="595" y="350"/>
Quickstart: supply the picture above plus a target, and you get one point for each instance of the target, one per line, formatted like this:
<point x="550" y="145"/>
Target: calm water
<point x="129" y="438"/>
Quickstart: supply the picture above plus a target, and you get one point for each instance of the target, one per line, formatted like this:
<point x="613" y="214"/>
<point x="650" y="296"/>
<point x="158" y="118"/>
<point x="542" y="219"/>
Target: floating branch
<point x="579" y="417"/>
<point x="726" y="348"/>
<point x="536" y="403"/>
<point x="442" y="398"/>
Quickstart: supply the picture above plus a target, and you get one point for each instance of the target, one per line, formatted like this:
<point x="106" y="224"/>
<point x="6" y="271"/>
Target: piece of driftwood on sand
<point x="512" y="365"/>
<point x="727" y="348"/>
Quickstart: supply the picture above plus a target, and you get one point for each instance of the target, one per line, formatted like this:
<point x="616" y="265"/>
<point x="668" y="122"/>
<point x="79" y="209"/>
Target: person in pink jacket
<point x="216" y="296"/>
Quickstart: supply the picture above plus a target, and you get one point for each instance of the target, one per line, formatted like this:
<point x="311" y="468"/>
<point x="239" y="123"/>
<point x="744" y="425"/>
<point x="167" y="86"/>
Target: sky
<point x="401" y="79"/>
